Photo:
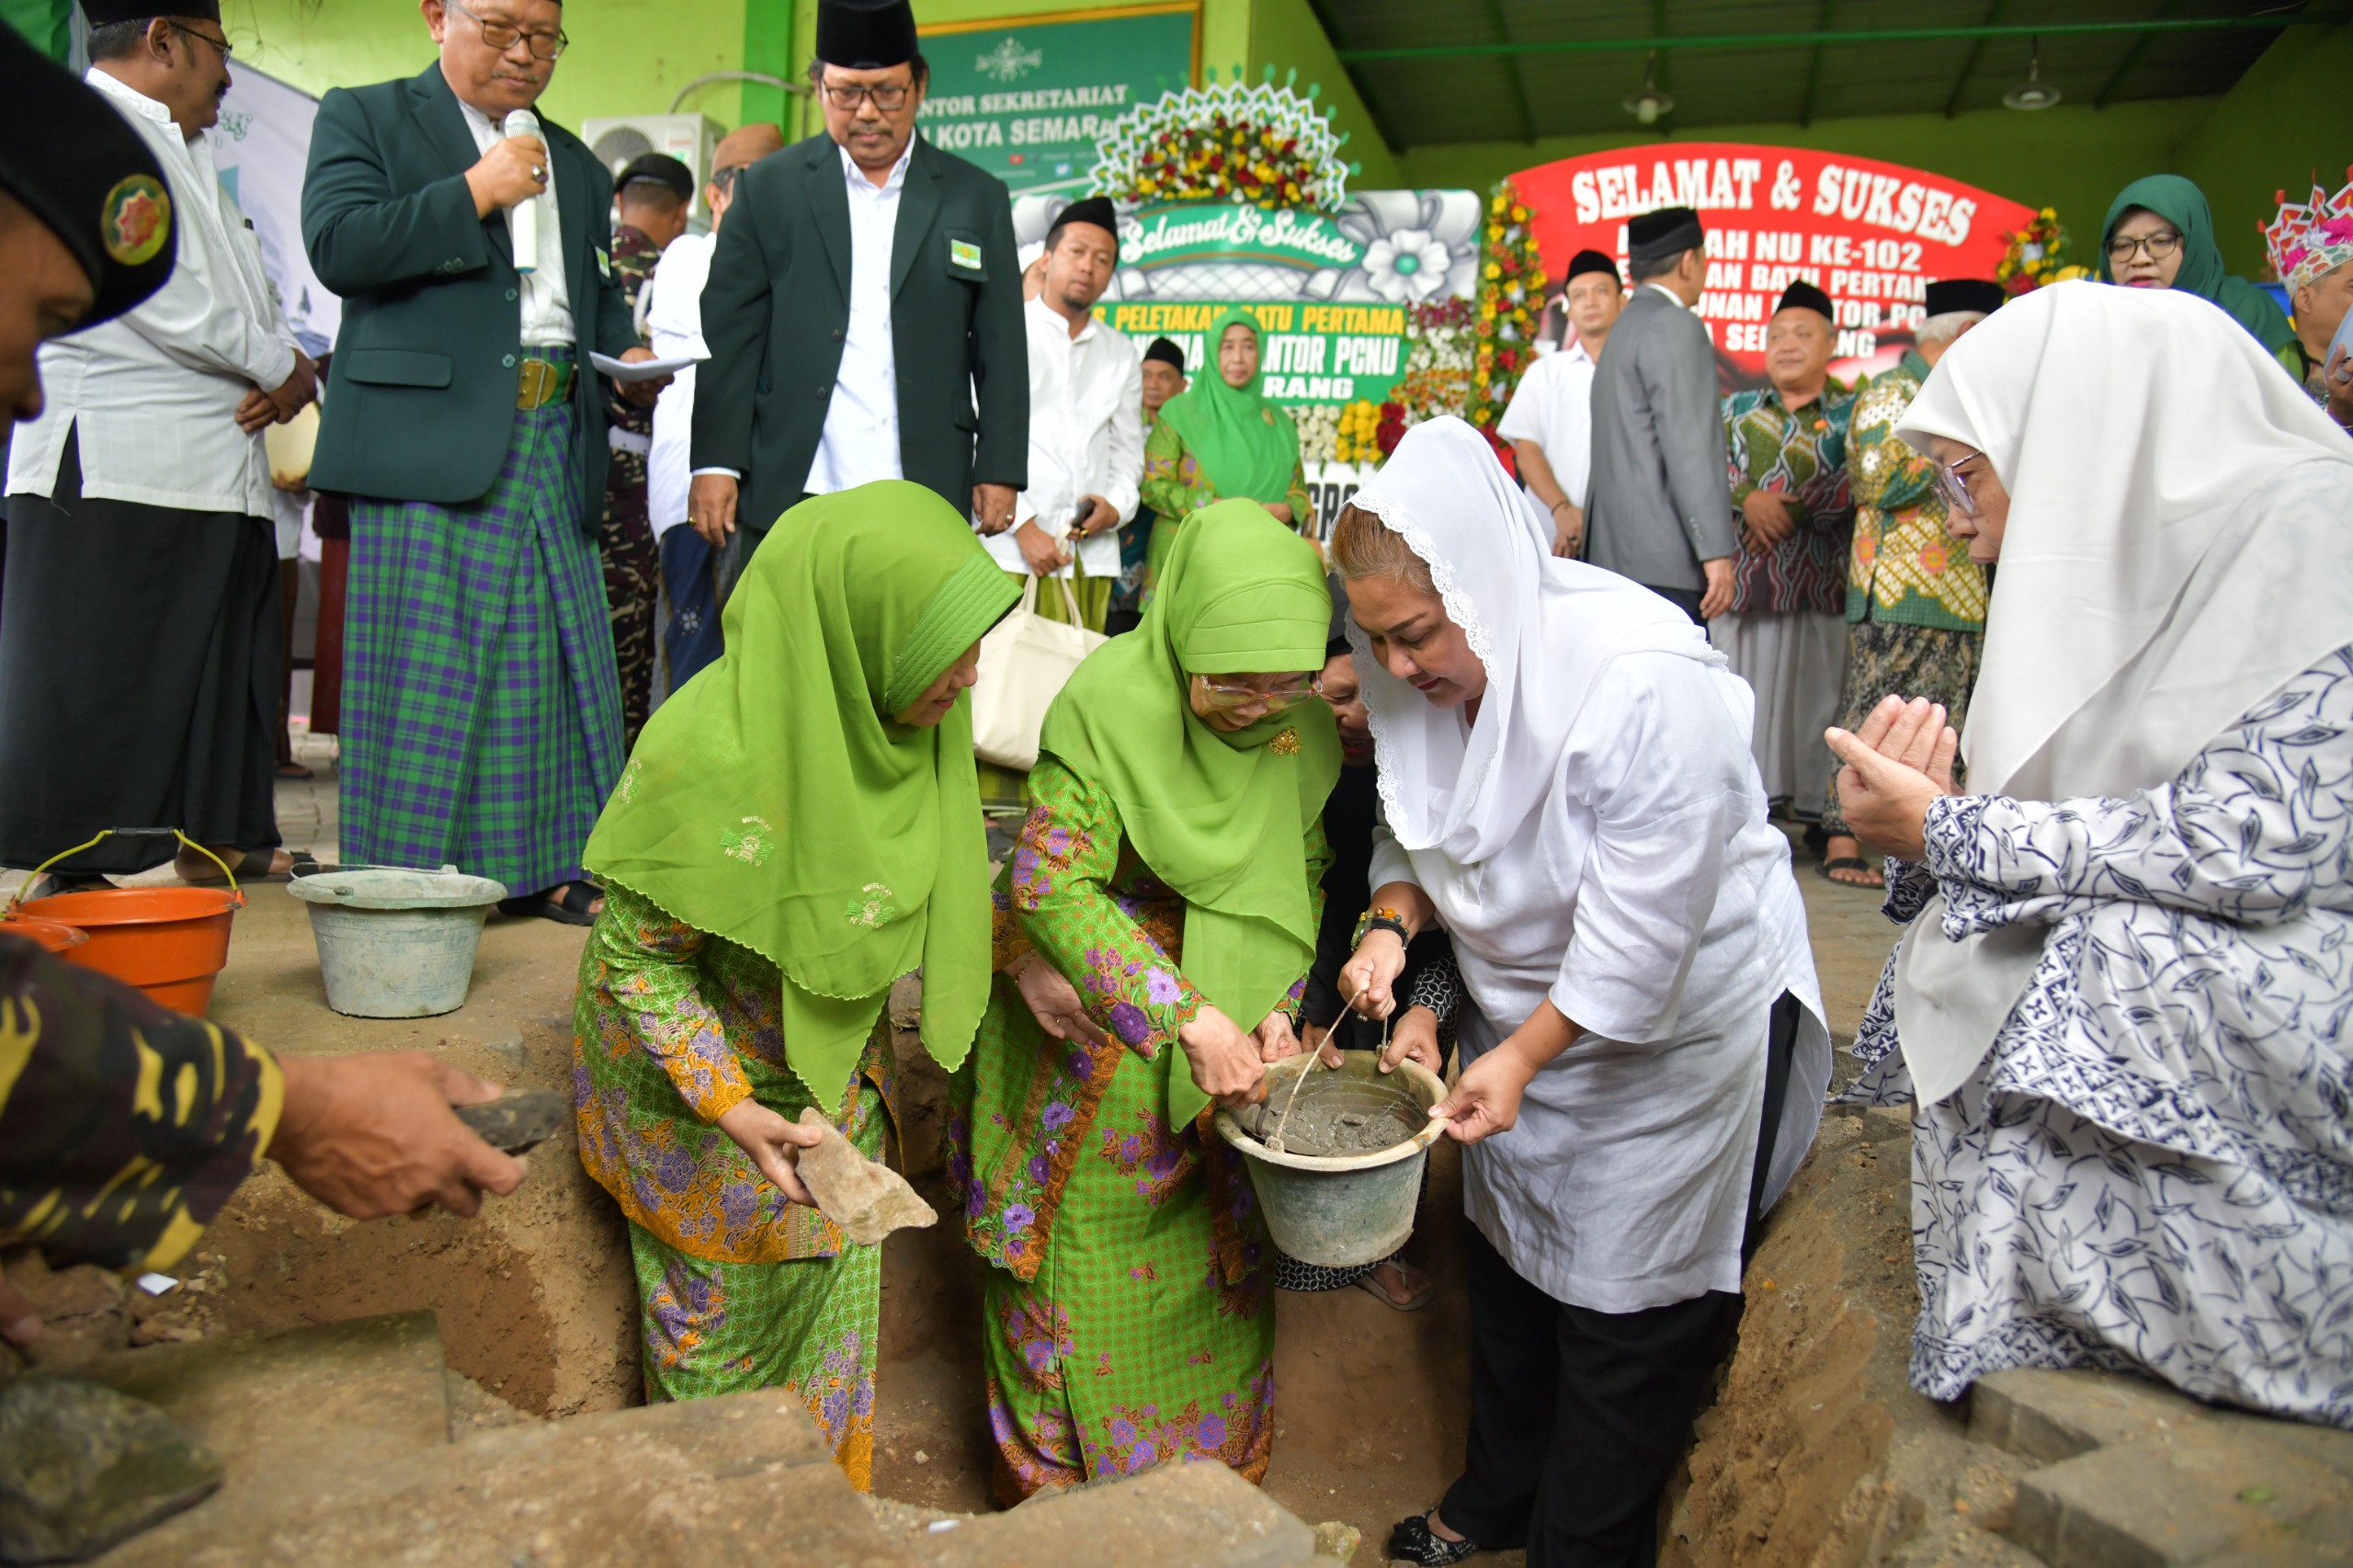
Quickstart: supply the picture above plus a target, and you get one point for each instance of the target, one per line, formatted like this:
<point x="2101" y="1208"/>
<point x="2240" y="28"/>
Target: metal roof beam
<point x="1813" y="70"/>
<point x="2276" y="22"/>
<point x="1381" y="123"/>
<point x="1511" y="73"/>
<point x="2132" y="58"/>
<point x="1976" y="52"/>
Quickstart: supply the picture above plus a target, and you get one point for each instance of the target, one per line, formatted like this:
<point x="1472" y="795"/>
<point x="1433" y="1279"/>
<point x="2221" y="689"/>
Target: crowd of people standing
<point x="1496" y="766"/>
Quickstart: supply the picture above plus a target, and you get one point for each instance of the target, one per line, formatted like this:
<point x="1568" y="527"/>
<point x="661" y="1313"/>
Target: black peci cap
<point x="81" y="169"/>
<point x="1948" y="295"/>
<point x="1094" y="210"/>
<point x="1801" y="295"/>
<point x="866" y="35"/>
<point x="1667" y="232"/>
<point x="657" y="168"/>
<point x="1586" y="261"/>
<point x="1167" y="353"/>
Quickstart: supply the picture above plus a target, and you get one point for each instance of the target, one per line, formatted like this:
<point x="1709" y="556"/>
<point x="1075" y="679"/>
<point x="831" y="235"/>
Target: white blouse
<point x="1653" y="903"/>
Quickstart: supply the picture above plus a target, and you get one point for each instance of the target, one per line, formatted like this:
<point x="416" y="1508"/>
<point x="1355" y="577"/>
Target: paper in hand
<point x="642" y="370"/>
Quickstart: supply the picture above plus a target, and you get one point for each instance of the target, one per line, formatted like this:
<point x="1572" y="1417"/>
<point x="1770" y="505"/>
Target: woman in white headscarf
<point x="1566" y="785"/>
<point x="2121" y="1009"/>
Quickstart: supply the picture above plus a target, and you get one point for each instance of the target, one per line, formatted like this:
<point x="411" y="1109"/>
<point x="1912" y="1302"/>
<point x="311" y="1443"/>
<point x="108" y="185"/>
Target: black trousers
<point x="1685" y="599"/>
<point x="141" y="660"/>
<point x="1577" y="1418"/>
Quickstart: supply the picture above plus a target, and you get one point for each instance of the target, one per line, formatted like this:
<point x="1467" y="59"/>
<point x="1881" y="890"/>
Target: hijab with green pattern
<point x="1247" y="447"/>
<point x="1221" y="817"/>
<point x="775" y="802"/>
<point x="2203" y="272"/>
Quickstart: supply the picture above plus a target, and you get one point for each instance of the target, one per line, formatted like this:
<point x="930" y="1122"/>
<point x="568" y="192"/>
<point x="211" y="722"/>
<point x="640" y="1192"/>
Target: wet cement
<point x="1337" y="1116"/>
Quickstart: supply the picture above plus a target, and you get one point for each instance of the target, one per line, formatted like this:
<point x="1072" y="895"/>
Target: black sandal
<point x="253" y="865"/>
<point x="567" y="906"/>
<point x="1853" y="863"/>
<point x="1413" y="1540"/>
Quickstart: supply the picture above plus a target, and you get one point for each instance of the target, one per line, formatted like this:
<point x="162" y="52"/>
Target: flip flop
<point x="253" y="865"/>
<point x="1852" y="863"/>
<point x="296" y="770"/>
<point x="1412" y="1303"/>
<point x="565" y="906"/>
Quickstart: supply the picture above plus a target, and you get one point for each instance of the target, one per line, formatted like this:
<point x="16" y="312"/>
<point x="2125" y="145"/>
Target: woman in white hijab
<point x="1566" y="785"/>
<point x="2122" y="1004"/>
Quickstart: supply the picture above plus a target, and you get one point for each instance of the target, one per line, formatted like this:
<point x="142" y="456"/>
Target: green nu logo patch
<point x="964" y="254"/>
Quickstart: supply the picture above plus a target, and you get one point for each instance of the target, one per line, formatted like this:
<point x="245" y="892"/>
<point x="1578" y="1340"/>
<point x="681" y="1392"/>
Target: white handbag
<point x="1025" y="662"/>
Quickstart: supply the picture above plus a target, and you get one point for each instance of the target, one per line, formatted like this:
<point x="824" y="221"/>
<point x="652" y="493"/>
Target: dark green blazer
<point x="777" y="306"/>
<point x="420" y="397"/>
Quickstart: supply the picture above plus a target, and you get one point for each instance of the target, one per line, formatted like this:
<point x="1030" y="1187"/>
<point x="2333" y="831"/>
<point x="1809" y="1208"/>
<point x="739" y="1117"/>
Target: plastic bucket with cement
<point x="1338" y="1210"/>
<point x="396" y="943"/>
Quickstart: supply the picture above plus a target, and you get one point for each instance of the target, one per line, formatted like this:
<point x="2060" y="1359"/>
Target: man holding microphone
<point x="481" y="715"/>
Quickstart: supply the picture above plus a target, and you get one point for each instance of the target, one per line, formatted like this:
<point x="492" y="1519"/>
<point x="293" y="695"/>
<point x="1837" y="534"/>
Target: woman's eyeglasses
<point x="1955" y="488"/>
<point x="2159" y="245"/>
<point x="1287" y="691"/>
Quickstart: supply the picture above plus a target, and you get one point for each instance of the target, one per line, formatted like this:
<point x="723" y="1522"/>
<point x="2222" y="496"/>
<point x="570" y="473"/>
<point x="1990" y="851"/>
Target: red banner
<point x="1871" y="236"/>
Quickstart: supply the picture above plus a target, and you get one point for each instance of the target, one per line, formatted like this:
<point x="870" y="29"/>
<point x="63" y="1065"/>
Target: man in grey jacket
<point x="1661" y="504"/>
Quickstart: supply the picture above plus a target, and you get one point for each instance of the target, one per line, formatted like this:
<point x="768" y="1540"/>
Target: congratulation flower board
<point x="1871" y="236"/>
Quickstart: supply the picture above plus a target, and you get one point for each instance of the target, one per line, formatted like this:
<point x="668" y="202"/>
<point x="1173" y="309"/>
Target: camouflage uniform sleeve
<point x="124" y="1126"/>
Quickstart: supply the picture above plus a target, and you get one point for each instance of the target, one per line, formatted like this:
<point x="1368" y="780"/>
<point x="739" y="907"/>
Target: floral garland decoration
<point x="1511" y="297"/>
<point x="1436" y="380"/>
<point x="1225" y="141"/>
<point x="1339" y="433"/>
<point x="2037" y="256"/>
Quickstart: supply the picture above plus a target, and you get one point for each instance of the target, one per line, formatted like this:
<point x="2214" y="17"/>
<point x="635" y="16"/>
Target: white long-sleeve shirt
<point x="1552" y="406"/>
<point x="671" y="300"/>
<point x="1085" y="435"/>
<point x="546" y="289"/>
<point x="154" y="393"/>
<point x="1649" y="900"/>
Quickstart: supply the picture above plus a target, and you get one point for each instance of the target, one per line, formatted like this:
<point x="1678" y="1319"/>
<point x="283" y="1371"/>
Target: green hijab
<point x="1219" y="817"/>
<point x="1246" y="447"/>
<point x="773" y="799"/>
<point x="2183" y="205"/>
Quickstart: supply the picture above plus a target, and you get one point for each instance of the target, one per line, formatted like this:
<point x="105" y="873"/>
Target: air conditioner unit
<point x="689" y="137"/>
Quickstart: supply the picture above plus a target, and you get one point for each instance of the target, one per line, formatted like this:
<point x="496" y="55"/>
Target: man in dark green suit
<point x="482" y="712"/>
<point x="863" y="292"/>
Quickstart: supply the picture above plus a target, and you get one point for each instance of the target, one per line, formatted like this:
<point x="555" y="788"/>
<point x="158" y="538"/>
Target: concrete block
<point x="2157" y="1502"/>
<point x="1178" y="1516"/>
<point x="2048" y="1416"/>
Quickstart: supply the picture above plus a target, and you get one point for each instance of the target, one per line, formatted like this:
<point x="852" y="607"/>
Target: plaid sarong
<point x="481" y="718"/>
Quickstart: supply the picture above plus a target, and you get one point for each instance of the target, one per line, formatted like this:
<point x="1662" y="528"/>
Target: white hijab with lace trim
<point x="2178" y="549"/>
<point x="1544" y="628"/>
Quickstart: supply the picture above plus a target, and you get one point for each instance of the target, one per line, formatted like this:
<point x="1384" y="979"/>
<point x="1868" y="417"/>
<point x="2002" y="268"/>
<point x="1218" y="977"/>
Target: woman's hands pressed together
<point x="1226" y="1063"/>
<point x="1894" y="768"/>
<point x="772" y="1144"/>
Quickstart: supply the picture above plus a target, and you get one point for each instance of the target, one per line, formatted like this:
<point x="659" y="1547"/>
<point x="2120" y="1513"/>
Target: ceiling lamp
<point x="1649" y="105"/>
<point x="2034" y="92"/>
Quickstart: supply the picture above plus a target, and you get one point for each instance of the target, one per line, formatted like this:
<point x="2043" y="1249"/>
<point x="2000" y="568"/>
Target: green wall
<point x="2286" y="123"/>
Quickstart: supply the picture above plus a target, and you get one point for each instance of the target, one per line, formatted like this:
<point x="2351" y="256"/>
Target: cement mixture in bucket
<point x="1338" y="1115"/>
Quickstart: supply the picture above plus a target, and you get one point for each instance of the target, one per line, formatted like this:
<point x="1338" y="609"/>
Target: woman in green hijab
<point x="797" y="828"/>
<point x="1161" y="901"/>
<point x="2160" y="234"/>
<point x="1222" y="441"/>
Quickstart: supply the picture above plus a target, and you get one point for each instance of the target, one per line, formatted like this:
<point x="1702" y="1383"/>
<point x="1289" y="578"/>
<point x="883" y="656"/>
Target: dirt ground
<point x="535" y="1302"/>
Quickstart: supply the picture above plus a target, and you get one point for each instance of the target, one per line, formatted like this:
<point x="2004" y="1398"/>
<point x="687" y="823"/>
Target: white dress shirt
<point x="672" y="301"/>
<point x="154" y="393"/>
<point x="861" y="439"/>
<point x="1552" y="406"/>
<point x="1085" y="435"/>
<point x="1649" y="900"/>
<point x="547" y="294"/>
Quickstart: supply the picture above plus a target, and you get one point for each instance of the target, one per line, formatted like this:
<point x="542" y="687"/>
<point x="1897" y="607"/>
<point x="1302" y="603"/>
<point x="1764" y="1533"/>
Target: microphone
<point x="523" y="218"/>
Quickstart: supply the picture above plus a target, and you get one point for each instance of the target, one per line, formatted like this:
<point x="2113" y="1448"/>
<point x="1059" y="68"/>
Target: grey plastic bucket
<point x="1341" y="1209"/>
<point x="396" y="943"/>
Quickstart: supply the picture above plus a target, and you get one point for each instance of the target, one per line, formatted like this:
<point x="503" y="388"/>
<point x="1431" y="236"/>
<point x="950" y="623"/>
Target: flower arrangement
<point x="1511" y="298"/>
<point x="1319" y="431"/>
<point x="1439" y="353"/>
<point x="1359" y="421"/>
<point x="2038" y="256"/>
<point x="1225" y="141"/>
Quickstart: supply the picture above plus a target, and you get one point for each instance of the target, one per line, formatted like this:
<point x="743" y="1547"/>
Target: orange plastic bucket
<point x="172" y="943"/>
<point x="53" y="936"/>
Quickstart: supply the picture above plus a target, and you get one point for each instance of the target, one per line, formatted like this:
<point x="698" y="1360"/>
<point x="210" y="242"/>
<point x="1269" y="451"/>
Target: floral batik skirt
<point x="1128" y="1348"/>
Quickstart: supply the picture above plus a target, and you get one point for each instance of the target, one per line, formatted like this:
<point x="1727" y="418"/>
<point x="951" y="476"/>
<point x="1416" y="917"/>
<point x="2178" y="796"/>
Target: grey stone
<point x="1175" y="1516"/>
<point x="2159" y="1502"/>
<point x="83" y="1467"/>
<point x="866" y="1199"/>
<point x="2051" y="1415"/>
<point x="518" y="1118"/>
<point x="1337" y="1540"/>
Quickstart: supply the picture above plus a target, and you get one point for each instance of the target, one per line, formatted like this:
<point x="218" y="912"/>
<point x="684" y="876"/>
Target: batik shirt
<point x="1905" y="570"/>
<point x="1800" y="452"/>
<point x="1174" y="486"/>
<point x="1077" y="892"/>
<point x="634" y="257"/>
<point x="124" y="1126"/>
<point x="2153" y="1168"/>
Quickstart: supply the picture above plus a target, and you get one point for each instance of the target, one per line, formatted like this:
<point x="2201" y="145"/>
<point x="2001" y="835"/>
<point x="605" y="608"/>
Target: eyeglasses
<point x="1954" y="488"/>
<point x="1289" y="691"/>
<point x="890" y="97"/>
<point x="222" y="46"/>
<point x="2159" y="245"/>
<point x="501" y="35"/>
